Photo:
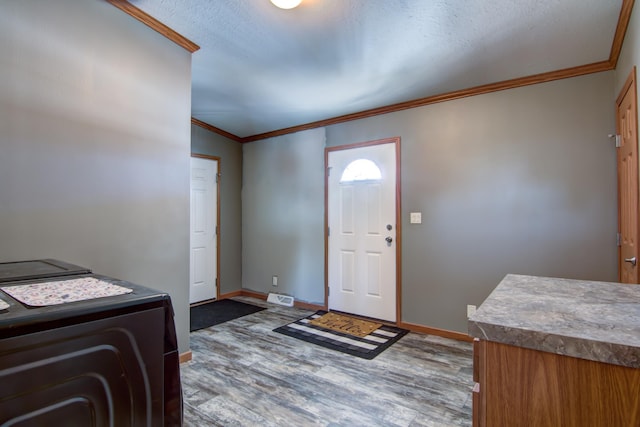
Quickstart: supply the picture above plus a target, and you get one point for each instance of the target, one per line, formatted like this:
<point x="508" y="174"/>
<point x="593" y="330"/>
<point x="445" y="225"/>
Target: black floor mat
<point x="214" y="313"/>
<point x="365" y="347"/>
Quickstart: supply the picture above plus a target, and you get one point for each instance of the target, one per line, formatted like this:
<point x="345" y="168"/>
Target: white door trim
<point x="393" y="140"/>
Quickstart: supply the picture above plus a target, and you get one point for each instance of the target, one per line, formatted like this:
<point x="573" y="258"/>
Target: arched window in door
<point x="361" y="170"/>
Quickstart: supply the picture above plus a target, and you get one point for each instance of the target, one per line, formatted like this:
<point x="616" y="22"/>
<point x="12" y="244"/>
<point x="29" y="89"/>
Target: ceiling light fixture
<point x="286" y="4"/>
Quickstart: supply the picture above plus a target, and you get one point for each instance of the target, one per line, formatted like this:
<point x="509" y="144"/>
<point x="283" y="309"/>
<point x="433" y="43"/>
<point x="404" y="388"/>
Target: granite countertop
<point x="597" y="321"/>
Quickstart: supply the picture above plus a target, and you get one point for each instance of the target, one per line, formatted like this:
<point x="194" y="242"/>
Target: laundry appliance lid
<point x="36" y="269"/>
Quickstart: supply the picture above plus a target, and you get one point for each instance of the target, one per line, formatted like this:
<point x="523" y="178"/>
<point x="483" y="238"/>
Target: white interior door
<point x="362" y="231"/>
<point x="204" y="209"/>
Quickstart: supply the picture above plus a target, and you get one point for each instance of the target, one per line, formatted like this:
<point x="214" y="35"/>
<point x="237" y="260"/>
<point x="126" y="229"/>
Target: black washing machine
<point x="105" y="361"/>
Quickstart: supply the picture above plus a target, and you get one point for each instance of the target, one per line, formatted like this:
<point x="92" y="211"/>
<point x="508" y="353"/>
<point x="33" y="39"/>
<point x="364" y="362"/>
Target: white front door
<point x="203" y="258"/>
<point x="362" y="231"/>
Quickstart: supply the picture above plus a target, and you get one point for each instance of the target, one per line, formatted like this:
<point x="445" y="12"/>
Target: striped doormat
<point x="366" y="347"/>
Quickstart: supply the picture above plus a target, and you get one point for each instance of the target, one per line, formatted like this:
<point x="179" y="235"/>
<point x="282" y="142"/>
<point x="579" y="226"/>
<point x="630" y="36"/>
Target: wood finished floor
<point x="243" y="374"/>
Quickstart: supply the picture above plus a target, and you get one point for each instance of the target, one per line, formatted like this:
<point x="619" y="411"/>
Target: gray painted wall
<point x="518" y="181"/>
<point x="95" y="144"/>
<point x="230" y="153"/>
<point x="283" y="215"/>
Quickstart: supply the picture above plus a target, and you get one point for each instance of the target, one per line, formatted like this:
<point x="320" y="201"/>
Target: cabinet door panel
<point x="535" y="388"/>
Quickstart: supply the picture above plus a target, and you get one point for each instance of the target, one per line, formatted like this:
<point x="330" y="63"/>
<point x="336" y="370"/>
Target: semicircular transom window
<point x="361" y="170"/>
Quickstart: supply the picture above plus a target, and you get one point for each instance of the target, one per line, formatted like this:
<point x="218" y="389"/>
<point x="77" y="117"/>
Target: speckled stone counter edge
<point x="525" y="335"/>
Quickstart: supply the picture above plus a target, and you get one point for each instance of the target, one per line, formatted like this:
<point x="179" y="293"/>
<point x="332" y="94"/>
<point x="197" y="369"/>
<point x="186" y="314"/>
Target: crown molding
<point x="214" y="129"/>
<point x="154" y="24"/>
<point x="621" y="31"/>
<point x="596" y="67"/>
<point x="449" y="96"/>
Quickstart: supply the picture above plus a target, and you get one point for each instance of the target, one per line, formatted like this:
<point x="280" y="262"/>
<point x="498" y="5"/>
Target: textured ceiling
<point x="261" y="68"/>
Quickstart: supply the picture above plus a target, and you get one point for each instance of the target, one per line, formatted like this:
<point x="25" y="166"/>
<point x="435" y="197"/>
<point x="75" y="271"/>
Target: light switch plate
<point x="416" y="218"/>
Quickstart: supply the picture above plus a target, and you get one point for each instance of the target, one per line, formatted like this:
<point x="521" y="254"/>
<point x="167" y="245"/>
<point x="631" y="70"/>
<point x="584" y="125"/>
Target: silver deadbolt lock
<point x="389" y="227"/>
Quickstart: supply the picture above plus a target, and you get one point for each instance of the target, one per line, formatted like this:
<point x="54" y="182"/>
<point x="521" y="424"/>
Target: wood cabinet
<point x="517" y="386"/>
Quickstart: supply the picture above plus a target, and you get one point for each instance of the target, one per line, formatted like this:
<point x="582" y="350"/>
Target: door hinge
<point x="618" y="139"/>
<point x="217" y="231"/>
<point x="618" y="239"/>
<point x="329" y="171"/>
<point x="328" y="291"/>
<point x="328" y="231"/>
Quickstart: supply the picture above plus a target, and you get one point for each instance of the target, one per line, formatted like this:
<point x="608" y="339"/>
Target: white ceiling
<point x="260" y="68"/>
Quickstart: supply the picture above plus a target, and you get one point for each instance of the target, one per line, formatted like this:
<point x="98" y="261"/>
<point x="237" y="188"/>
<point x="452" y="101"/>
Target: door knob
<point x="632" y="260"/>
<point x="389" y="240"/>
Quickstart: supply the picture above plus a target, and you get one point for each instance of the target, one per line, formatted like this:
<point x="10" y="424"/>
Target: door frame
<point x="393" y="140"/>
<point x="629" y="85"/>
<point x="218" y="178"/>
